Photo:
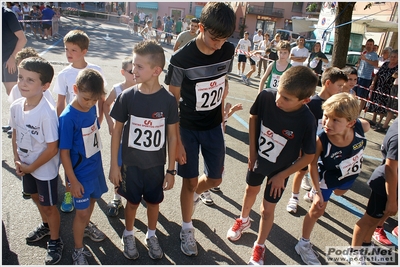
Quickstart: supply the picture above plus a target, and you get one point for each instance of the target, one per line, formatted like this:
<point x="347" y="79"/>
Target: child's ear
<point x="46" y="86"/>
<point x="306" y="100"/>
<point x="75" y="89"/>
<point x="351" y="123"/>
<point x="157" y="71"/>
<point x="122" y="72"/>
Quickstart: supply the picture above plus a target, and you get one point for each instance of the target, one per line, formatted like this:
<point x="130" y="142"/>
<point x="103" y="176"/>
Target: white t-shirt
<point x="16" y="94"/>
<point x="243" y="46"/>
<point x="298" y="52"/>
<point x="257" y="39"/>
<point x="35" y="128"/>
<point x="66" y="79"/>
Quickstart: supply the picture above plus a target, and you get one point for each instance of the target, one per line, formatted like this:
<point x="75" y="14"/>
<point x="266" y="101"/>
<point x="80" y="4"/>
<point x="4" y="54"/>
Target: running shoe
<point x="309" y="196"/>
<point x="37" y="234"/>
<point x="155" y="251"/>
<point x="380" y="237"/>
<point x="94" y="233"/>
<point x="6" y="128"/>
<point x="67" y="205"/>
<point x="215" y="189"/>
<point x="113" y="207"/>
<point x="79" y="256"/>
<point x="130" y="250"/>
<point x="188" y="242"/>
<point x="258" y="255"/>
<point x="235" y="232"/>
<point x="54" y="251"/>
<point x="395" y="231"/>
<point x="306" y="252"/>
<point x="305" y="183"/>
<point x="206" y="198"/>
<point x="292" y="205"/>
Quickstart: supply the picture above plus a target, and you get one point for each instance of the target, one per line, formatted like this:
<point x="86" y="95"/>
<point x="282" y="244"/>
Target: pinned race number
<point x="209" y="94"/>
<point x="146" y="134"/>
<point x="351" y="166"/>
<point x="91" y="140"/>
<point x="270" y="144"/>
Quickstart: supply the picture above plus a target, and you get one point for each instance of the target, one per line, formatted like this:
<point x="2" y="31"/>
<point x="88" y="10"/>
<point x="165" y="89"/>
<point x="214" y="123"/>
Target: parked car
<point x="288" y="35"/>
<point x="352" y="58"/>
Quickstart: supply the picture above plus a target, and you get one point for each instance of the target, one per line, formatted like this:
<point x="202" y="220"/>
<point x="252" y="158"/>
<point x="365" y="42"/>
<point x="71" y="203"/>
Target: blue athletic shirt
<point x="281" y="134"/>
<point x="71" y="122"/>
<point x="340" y="165"/>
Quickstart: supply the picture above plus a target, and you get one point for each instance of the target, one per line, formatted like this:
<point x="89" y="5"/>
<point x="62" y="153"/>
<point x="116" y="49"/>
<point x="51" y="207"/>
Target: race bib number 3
<point x="91" y="140"/>
<point x="209" y="94"/>
<point x="351" y="166"/>
<point x="275" y="80"/>
<point x="146" y="134"/>
<point x="270" y="144"/>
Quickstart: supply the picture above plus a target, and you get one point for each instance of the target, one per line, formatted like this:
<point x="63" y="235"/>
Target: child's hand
<point x="18" y="168"/>
<point x="77" y="189"/>
<point x="391" y="208"/>
<point x="252" y="160"/>
<point x="110" y="128"/>
<point x="180" y="154"/>
<point x="169" y="181"/>
<point x="318" y="200"/>
<point x="277" y="185"/>
<point x="237" y="107"/>
<point x="115" y="175"/>
<point x="22" y="168"/>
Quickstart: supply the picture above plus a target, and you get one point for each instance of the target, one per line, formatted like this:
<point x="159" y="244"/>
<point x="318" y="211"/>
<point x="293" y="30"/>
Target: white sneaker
<point x="292" y="205"/>
<point x="307" y="254"/>
<point x="305" y="183"/>
<point x="239" y="73"/>
<point x="206" y="198"/>
<point x="309" y="196"/>
<point x="355" y="259"/>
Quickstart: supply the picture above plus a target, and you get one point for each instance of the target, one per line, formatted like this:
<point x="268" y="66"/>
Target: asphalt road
<point x="109" y="44"/>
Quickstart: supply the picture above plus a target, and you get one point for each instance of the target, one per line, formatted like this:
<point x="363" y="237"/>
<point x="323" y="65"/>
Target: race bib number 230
<point x="146" y="134"/>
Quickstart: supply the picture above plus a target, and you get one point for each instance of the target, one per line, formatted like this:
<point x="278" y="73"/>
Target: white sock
<point x="295" y="195"/>
<point x="150" y="233"/>
<point x="244" y="220"/>
<point x="117" y="197"/>
<point x="188" y="225"/>
<point x="195" y="196"/>
<point x="261" y="245"/>
<point x="127" y="233"/>
<point x="304" y="240"/>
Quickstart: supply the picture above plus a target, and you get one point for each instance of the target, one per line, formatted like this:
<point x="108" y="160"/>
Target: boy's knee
<point x="190" y="184"/>
<point x="251" y="190"/>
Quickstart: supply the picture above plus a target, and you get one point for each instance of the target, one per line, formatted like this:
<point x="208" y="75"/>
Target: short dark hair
<point x="38" y="65"/>
<point x="333" y="74"/>
<point x="152" y="49"/>
<point x="195" y="20"/>
<point x="299" y="81"/>
<point x="78" y="38"/>
<point x="370" y="40"/>
<point x="126" y="62"/>
<point x="26" y="52"/>
<point x="219" y="19"/>
<point x="350" y="70"/>
<point x="90" y="81"/>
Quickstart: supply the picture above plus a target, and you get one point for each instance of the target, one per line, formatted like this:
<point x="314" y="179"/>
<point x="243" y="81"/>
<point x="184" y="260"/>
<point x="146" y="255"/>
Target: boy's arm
<point x="100" y="107"/>
<point x="106" y="109"/>
<point x="47" y="154"/>
<point x="77" y="189"/>
<point x="169" y="179"/>
<point x="365" y="125"/>
<point x="115" y="174"/>
<point x="180" y="154"/>
<point x="235" y="108"/>
<point x="391" y="177"/>
<point x="264" y="78"/>
<point x="313" y="168"/>
<point x="15" y="152"/>
<point x="252" y="141"/>
<point x="60" y="104"/>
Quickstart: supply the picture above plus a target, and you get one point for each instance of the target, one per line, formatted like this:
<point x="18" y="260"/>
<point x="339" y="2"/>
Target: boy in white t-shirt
<point x="76" y="44"/>
<point x="35" y="147"/>
<point x="244" y="46"/>
<point x="129" y="81"/>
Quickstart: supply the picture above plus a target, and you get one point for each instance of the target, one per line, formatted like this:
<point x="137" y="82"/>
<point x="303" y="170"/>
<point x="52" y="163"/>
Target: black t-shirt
<point x="9" y="27"/>
<point x="281" y="134"/>
<point x="315" y="106"/>
<point x="146" y="118"/>
<point x="318" y="68"/>
<point x="202" y="81"/>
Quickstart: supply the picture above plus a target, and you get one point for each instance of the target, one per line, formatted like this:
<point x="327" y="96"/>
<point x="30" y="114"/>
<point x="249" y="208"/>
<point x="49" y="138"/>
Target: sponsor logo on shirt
<point x="289" y="134"/>
<point x="358" y="145"/>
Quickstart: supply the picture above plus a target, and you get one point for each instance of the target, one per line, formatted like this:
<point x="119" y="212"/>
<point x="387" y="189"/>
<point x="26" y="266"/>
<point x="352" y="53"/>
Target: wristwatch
<point x="172" y="172"/>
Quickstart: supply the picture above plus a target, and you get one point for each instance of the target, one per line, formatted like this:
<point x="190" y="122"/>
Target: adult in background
<point x="263" y="62"/>
<point x="368" y="61"/>
<point x="159" y="27"/>
<point x="383" y="58"/>
<point x="186" y="36"/>
<point x="168" y="30"/>
<point x="273" y="55"/>
<point x="315" y="60"/>
<point x="26" y="11"/>
<point x="178" y="26"/>
<point x="13" y="41"/>
<point x="299" y="54"/>
<point x="243" y="47"/>
<point x="47" y="17"/>
<point x="18" y="13"/>
<point x="381" y="85"/>
<point x="36" y="15"/>
<point x="257" y="39"/>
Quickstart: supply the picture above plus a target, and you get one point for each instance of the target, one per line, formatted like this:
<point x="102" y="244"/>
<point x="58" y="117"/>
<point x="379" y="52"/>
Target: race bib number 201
<point x="209" y="94"/>
<point x="270" y="144"/>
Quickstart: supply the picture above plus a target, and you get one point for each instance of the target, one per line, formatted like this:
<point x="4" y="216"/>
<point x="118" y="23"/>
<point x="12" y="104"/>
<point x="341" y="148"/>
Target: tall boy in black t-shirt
<point x="280" y="125"/>
<point x="196" y="77"/>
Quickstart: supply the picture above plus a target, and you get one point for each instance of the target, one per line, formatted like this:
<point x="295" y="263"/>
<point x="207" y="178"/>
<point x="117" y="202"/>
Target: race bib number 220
<point x="209" y="94"/>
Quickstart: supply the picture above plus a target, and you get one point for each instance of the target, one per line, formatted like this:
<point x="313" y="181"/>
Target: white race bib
<point x="146" y="134"/>
<point x="352" y="165"/>
<point x="270" y="144"/>
<point x="91" y="140"/>
<point x="209" y="94"/>
<point x="274" y="80"/>
<point x="319" y="125"/>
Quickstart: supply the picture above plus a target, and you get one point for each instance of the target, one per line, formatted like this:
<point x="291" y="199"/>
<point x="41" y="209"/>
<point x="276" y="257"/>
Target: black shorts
<point x="242" y="58"/>
<point x="252" y="62"/>
<point x="7" y="77"/>
<point x="256" y="179"/>
<point x="137" y="182"/>
<point x="46" y="26"/>
<point x="362" y="91"/>
<point x="47" y="190"/>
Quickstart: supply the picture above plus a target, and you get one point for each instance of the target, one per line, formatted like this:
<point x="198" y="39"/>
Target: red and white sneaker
<point x="235" y="232"/>
<point x="380" y="237"/>
<point x="395" y="231"/>
<point x="258" y="255"/>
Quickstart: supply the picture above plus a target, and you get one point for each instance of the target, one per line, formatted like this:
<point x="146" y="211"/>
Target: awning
<point x="148" y="5"/>
<point x="303" y="24"/>
<point x="373" y="25"/>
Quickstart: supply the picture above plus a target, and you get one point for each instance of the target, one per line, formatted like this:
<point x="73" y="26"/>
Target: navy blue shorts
<point x="137" y="182"/>
<point x="256" y="179"/>
<point x="378" y="198"/>
<point x="327" y="192"/>
<point x="362" y="92"/>
<point x="47" y="190"/>
<point x="252" y="62"/>
<point x="212" y="145"/>
<point x="242" y="58"/>
<point x="94" y="189"/>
